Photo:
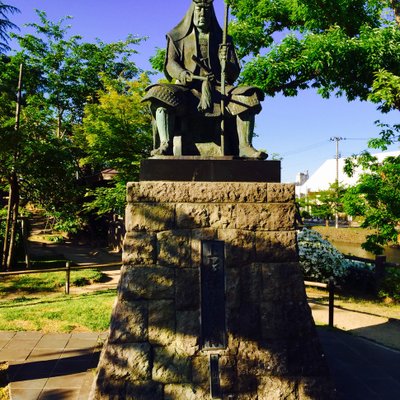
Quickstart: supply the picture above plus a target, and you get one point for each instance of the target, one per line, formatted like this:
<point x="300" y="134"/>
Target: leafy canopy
<point x="376" y="198"/>
<point x="6" y="24"/>
<point x="334" y="46"/>
<point x="116" y="133"/>
<point x="62" y="76"/>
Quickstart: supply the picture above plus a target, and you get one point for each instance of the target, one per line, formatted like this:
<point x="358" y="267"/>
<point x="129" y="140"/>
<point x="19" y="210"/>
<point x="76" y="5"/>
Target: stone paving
<point x="60" y="366"/>
<point x="50" y="366"/>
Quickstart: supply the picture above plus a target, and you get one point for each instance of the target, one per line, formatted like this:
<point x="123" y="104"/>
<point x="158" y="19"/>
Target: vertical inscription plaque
<point x="215" y="385"/>
<point x="212" y="277"/>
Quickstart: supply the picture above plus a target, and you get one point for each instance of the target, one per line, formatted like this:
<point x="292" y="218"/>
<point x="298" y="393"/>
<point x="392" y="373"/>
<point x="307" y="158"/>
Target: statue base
<point x="211" y="301"/>
<point x="221" y="169"/>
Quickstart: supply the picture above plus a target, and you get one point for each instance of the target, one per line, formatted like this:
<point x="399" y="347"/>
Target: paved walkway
<point x="378" y="329"/>
<point x="361" y="369"/>
<point x="61" y="366"/>
<point x="50" y="366"/>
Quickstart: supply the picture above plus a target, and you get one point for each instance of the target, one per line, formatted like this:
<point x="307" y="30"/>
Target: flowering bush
<point x="320" y="260"/>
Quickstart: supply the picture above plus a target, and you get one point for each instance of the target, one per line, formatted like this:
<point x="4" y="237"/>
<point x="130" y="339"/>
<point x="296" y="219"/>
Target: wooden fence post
<point x="380" y="262"/>
<point x="380" y="267"/>
<point x="67" y="276"/>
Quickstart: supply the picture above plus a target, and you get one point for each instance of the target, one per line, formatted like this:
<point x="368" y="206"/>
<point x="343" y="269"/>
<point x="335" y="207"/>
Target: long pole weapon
<point x="223" y="77"/>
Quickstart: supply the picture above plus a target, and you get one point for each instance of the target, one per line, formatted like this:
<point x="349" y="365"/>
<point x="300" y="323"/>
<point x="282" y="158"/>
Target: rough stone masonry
<point x="154" y="349"/>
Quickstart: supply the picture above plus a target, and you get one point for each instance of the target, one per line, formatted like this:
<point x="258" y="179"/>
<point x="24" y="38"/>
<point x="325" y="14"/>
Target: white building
<point x="325" y="175"/>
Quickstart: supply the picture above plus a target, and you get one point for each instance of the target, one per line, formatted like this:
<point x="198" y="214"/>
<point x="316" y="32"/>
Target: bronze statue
<point x="195" y="53"/>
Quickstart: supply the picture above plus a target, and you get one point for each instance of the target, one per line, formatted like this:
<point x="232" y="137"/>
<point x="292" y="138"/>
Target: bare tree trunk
<point x="13" y="201"/>
<point x="7" y="230"/>
<point x="14" y="221"/>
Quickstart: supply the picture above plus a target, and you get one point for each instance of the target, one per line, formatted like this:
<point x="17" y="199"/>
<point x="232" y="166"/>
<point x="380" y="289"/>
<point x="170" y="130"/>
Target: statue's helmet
<point x="204" y="3"/>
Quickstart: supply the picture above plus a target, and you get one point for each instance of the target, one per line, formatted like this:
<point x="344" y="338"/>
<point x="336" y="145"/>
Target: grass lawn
<point x="19" y="285"/>
<point x="58" y="312"/>
<point x="37" y="302"/>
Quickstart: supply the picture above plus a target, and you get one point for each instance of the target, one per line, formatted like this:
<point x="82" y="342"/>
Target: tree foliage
<point x="345" y="46"/>
<point x="6" y="24"/>
<point x="325" y="203"/>
<point x="71" y="70"/>
<point x="62" y="75"/>
<point x="116" y="133"/>
<point x="376" y="198"/>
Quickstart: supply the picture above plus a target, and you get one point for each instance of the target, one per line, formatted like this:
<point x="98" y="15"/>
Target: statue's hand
<point x="211" y="77"/>
<point x="185" y="77"/>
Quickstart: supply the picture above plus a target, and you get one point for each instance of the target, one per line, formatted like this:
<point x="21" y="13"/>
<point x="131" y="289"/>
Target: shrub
<point x="390" y="285"/>
<point x="320" y="261"/>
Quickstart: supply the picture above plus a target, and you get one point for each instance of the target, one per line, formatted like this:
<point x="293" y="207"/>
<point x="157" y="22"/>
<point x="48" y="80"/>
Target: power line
<point x="306" y="148"/>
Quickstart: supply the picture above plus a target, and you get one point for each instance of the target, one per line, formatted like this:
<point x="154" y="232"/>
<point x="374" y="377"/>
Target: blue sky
<point x="297" y="128"/>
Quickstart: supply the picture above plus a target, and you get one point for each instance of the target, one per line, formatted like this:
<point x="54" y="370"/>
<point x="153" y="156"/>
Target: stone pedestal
<point x="154" y="350"/>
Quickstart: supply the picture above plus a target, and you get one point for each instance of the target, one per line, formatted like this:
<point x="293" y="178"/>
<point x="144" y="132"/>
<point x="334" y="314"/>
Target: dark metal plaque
<point x="215" y="385"/>
<point x="213" y="295"/>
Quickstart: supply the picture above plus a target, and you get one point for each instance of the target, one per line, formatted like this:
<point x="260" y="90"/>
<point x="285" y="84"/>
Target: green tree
<point x="6" y="24"/>
<point x="62" y="75"/>
<point x="116" y="133"/>
<point x="325" y="203"/>
<point x="376" y="198"/>
<point x="71" y="70"/>
<point x="335" y="46"/>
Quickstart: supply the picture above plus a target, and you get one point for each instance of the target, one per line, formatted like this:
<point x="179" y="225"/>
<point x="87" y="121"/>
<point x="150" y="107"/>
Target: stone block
<point x="162" y="322"/>
<point x="139" y="248"/>
<point x="199" y="192"/>
<point x="185" y="392"/>
<point x="311" y="388"/>
<point x="228" y="376"/>
<point x="276" y="246"/>
<point x="257" y="359"/>
<point x="200" y="369"/>
<point x="129" y="322"/>
<point x="187" y="289"/>
<point x="285" y="320"/>
<point x="282" y="282"/>
<point x="244" y="319"/>
<point x="277" y="388"/>
<point x="173" y="248"/>
<point x="143" y="390"/>
<point x="233" y="289"/>
<point x="169" y="367"/>
<point x="192" y="216"/>
<point x="151" y="283"/>
<point x="151" y="217"/>
<point x="129" y="361"/>
<point x="239" y="246"/>
<point x="251" y="284"/>
<point x="187" y="332"/>
<point x="281" y="193"/>
<point x="157" y="192"/>
<point x="264" y="217"/>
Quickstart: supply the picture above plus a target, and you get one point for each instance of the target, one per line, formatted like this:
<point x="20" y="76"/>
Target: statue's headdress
<point x="203" y="2"/>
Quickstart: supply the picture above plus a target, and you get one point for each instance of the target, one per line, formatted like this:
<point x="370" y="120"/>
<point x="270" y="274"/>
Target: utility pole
<point x="337" y="139"/>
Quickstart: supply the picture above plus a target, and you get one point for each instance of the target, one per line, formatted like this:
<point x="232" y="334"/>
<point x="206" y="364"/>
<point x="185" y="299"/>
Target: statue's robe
<point x="184" y="43"/>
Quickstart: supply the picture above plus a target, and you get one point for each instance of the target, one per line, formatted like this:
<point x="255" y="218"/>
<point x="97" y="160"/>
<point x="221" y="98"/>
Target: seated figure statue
<point x="193" y="62"/>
